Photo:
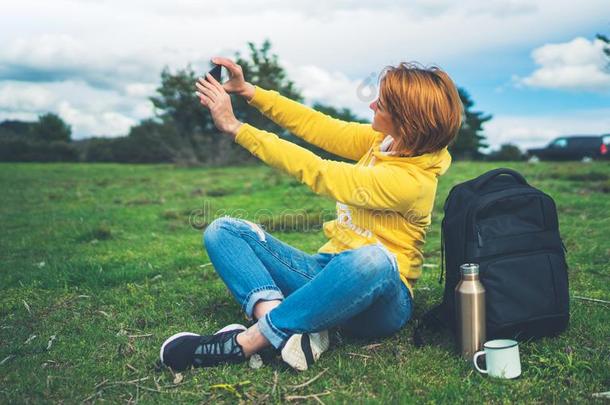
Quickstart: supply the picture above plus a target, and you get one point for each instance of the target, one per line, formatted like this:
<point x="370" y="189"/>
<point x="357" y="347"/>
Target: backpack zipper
<point x="540" y="197"/>
<point x="489" y="197"/>
<point x="479" y="237"/>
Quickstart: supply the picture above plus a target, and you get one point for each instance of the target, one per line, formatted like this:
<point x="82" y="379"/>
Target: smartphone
<point x="216" y="71"/>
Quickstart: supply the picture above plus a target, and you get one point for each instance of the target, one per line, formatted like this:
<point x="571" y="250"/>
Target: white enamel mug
<point x="501" y="357"/>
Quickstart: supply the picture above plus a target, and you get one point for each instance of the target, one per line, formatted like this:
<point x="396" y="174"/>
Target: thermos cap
<point x="469" y="268"/>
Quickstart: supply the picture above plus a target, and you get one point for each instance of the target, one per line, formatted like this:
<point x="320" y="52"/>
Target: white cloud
<point x="115" y="50"/>
<point x="89" y="110"/>
<point x="27" y="97"/>
<point x="107" y="123"/>
<point x="140" y="89"/>
<point x="334" y="88"/>
<point x="59" y="57"/>
<point x="47" y="51"/>
<point x="107" y="41"/>
<point x="576" y="65"/>
<point x="537" y="131"/>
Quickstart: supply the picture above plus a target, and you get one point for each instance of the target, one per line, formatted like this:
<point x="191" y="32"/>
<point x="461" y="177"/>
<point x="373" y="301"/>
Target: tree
<point x="46" y="140"/>
<point x="148" y="142"/>
<point x="16" y="128"/>
<point x="606" y="40"/>
<point x="162" y="144"/>
<point x="176" y="104"/>
<point x="507" y="152"/>
<point x="263" y="69"/>
<point x="180" y="113"/>
<point x="50" y="127"/>
<point x="470" y="140"/>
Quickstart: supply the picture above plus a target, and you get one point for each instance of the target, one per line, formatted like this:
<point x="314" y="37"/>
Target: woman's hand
<point x="214" y="97"/>
<point x="236" y="84"/>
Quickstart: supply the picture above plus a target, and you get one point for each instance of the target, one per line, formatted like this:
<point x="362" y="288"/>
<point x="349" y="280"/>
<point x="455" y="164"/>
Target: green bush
<point x="21" y="149"/>
<point x="507" y="152"/>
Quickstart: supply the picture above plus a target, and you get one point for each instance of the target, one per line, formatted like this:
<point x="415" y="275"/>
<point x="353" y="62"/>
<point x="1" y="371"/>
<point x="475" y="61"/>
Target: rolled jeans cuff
<point x="275" y="336"/>
<point x="265" y="293"/>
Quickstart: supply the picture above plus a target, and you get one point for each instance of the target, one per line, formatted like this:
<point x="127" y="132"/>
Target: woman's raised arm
<point x="350" y="140"/>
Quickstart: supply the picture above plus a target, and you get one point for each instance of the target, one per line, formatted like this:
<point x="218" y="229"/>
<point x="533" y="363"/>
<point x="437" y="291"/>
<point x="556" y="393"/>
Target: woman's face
<point x="382" y="121"/>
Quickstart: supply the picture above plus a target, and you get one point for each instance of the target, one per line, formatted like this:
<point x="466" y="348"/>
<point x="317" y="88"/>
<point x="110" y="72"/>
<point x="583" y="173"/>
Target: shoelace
<point x="217" y="345"/>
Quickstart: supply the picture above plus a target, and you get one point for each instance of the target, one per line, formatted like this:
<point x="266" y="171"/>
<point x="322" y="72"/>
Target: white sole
<point x="292" y="353"/>
<point x="232" y="326"/>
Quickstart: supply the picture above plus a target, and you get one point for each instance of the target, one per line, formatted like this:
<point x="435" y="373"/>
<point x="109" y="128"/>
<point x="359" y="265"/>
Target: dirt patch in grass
<point x="592" y="176"/>
<point x="102" y="182"/>
<point x="595" y="187"/>
<point x="174" y="226"/>
<point x="170" y="214"/>
<point x="587" y="183"/>
<point x="273" y="179"/>
<point x="218" y="192"/>
<point x="199" y="218"/>
<point x="196" y="192"/>
<point x="581" y="177"/>
<point x="99" y="233"/>
<point x="145" y="201"/>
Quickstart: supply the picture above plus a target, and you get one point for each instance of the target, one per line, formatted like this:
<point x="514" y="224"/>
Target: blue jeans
<point x="358" y="290"/>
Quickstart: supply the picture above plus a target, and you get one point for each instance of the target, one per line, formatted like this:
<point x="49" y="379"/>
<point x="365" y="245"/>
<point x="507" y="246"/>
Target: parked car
<point x="574" y="147"/>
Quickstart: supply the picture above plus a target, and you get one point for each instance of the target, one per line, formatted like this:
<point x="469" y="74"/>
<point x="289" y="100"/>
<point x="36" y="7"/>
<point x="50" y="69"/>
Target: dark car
<point x="574" y="148"/>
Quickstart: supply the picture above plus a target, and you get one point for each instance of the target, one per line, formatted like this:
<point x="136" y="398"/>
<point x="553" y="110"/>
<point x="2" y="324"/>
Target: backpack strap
<point x="481" y="181"/>
<point x="440" y="278"/>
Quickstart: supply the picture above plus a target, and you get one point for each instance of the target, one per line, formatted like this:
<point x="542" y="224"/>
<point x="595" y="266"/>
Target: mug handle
<point x="475" y="358"/>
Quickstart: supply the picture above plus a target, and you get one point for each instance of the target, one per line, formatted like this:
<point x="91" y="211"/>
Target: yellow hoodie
<point x="382" y="198"/>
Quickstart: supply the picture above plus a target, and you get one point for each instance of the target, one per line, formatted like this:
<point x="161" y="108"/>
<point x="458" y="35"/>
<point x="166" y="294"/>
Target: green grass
<point x="109" y="260"/>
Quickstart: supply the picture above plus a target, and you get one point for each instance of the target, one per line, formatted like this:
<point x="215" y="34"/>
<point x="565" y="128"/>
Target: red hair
<point x="424" y="105"/>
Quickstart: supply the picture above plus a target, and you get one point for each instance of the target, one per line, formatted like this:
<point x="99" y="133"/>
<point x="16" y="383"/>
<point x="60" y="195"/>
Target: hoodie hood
<point x="437" y="162"/>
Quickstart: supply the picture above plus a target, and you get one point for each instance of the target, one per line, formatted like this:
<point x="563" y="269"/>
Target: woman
<point x="362" y="278"/>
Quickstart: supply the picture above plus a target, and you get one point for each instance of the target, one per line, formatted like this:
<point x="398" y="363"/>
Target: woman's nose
<point x="373" y="105"/>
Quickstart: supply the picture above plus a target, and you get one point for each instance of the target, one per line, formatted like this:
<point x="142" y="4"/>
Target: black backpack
<point x="511" y="230"/>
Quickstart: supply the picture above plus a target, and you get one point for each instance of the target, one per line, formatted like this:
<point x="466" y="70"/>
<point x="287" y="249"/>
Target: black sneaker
<point x="186" y="349"/>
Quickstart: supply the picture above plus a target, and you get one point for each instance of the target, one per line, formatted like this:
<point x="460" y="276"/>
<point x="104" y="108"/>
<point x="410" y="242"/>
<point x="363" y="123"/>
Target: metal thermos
<point x="470" y="307"/>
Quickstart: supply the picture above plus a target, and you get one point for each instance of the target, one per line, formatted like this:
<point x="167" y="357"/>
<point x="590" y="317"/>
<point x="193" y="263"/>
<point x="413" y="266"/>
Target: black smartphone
<point x="216" y="71"/>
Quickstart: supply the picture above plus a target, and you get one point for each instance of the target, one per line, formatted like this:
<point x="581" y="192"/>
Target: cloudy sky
<point x="535" y="65"/>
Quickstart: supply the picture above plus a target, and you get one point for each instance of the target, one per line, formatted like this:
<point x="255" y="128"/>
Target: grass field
<point x="100" y="263"/>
